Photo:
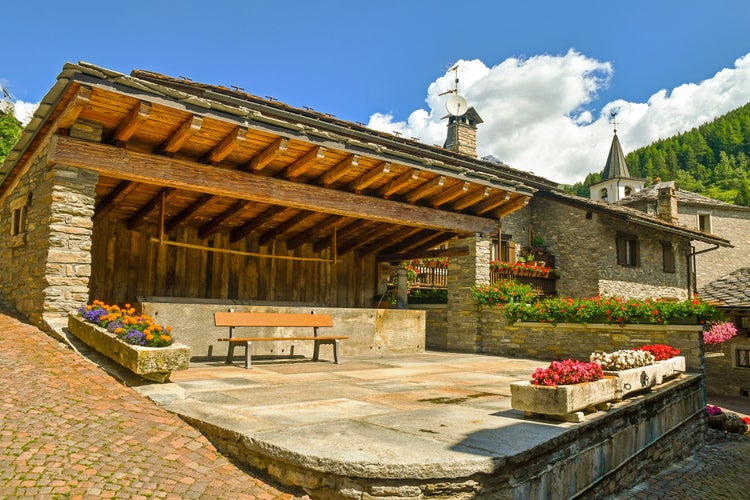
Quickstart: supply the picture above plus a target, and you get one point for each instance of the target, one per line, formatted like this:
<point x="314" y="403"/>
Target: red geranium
<point x="660" y="351"/>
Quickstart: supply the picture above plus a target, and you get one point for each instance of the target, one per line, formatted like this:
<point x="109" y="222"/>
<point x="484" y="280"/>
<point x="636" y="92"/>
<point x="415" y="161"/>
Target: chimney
<point x="666" y="204"/>
<point x="462" y="133"/>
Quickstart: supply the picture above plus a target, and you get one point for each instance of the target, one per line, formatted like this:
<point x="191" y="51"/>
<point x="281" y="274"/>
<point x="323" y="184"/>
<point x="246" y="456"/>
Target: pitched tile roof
<point x="733" y="290"/>
<point x="651" y="193"/>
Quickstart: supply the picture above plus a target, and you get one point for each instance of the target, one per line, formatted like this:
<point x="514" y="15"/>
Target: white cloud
<point x="535" y="115"/>
<point x="24" y="111"/>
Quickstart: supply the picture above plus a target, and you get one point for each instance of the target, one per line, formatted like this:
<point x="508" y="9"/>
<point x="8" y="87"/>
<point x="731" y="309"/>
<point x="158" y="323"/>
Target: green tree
<point x="10" y="131"/>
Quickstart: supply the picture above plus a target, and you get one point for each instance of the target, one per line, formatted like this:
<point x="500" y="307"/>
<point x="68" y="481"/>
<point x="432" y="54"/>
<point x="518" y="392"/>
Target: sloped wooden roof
<point x="222" y="160"/>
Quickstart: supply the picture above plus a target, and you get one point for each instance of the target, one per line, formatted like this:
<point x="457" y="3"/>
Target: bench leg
<point x="336" y="351"/>
<point x="248" y="353"/>
<point x="316" y="351"/>
<point x="230" y="353"/>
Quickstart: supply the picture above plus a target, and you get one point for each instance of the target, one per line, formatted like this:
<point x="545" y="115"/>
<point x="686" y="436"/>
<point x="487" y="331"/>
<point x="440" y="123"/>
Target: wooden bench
<point x="260" y="319"/>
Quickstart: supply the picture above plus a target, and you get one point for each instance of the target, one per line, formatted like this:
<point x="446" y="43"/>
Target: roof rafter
<point x="305" y="163"/>
<point x="457" y="190"/>
<point x="472" y="198"/>
<point x="269" y="153"/>
<point x="214" y="225"/>
<point x="187" y="212"/>
<point x="187" y="129"/>
<point x="333" y="174"/>
<point x="315" y="233"/>
<point x="140" y="217"/>
<point x="136" y="117"/>
<point x="278" y="232"/>
<point x="255" y="223"/>
<point x="425" y="189"/>
<point x="105" y="206"/>
<point x="398" y="183"/>
<point x="225" y="146"/>
<point x="360" y="183"/>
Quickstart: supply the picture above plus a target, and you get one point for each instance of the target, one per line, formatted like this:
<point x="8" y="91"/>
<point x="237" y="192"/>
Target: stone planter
<point x="636" y="379"/>
<point x="151" y="363"/>
<point x="564" y="402"/>
<point x="671" y="367"/>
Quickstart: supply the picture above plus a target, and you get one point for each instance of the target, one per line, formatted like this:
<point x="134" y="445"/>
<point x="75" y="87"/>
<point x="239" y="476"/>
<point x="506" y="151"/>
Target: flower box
<point x="151" y="363"/>
<point x="671" y="367"/>
<point x="636" y="379"/>
<point x="565" y="402"/>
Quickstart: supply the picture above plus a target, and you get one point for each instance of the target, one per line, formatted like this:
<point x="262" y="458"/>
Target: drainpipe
<point x="692" y="278"/>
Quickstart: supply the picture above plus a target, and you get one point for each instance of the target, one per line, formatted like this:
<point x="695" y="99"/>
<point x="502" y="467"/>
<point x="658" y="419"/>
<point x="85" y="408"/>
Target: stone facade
<point x="584" y="245"/>
<point x="728" y="221"/>
<point x="48" y="265"/>
<point x="464" y="272"/>
<point x="725" y="373"/>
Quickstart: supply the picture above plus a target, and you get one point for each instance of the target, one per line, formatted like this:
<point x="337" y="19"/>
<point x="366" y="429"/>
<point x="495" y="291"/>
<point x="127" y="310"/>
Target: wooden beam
<point x="136" y="117"/>
<point x="225" y="146"/>
<point x="423" y="250"/>
<point x="139" y="218"/>
<point x="187" y="212"/>
<point x="360" y="183"/>
<point x="105" y="206"/>
<point x="255" y="223"/>
<point x="334" y="173"/>
<point x="312" y="234"/>
<point x="378" y="232"/>
<point x="425" y="189"/>
<point x="169" y="172"/>
<point x="279" y="231"/>
<point x="490" y="203"/>
<point x="450" y="194"/>
<point x="344" y="232"/>
<point x="472" y="198"/>
<point x="399" y="182"/>
<point x="303" y="164"/>
<point x="178" y="138"/>
<point x="387" y="240"/>
<point x="414" y="238"/>
<point x="214" y="225"/>
<point x="512" y="206"/>
<point x="269" y="153"/>
<point x="73" y="109"/>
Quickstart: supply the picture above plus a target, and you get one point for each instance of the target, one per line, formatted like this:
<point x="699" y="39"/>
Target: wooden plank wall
<point x="126" y="264"/>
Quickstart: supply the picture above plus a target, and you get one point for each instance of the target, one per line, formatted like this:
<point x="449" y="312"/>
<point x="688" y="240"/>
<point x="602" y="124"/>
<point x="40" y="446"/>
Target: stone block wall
<point x="465" y="271"/>
<point x="436" y="318"/>
<point x="584" y="245"/>
<point x="46" y="270"/>
<point x="567" y="340"/>
<point x="723" y="375"/>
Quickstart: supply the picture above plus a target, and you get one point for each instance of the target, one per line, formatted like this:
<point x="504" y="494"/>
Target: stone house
<point x="133" y="187"/>
<point x="145" y="188"/>
<point x="728" y="364"/>
<point x="731" y="222"/>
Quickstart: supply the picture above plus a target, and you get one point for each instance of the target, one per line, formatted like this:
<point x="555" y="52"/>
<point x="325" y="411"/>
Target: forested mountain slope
<point x="712" y="160"/>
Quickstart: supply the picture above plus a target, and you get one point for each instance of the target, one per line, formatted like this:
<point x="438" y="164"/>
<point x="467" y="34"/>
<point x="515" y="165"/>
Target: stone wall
<point x="583" y="243"/>
<point x="567" y="340"/>
<point x="436" y="319"/>
<point x="732" y="223"/>
<point x="723" y="376"/>
<point x="47" y="268"/>
<point x="465" y="271"/>
<point x="370" y="331"/>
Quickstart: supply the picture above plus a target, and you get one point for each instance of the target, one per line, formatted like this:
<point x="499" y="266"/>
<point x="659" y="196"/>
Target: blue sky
<point x="543" y="75"/>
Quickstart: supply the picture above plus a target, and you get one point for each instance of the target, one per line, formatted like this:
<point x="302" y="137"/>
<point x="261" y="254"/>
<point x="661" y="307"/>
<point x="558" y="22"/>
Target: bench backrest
<point x="235" y="319"/>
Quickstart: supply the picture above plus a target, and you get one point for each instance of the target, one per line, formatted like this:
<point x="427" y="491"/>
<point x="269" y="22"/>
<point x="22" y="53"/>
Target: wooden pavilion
<point x="207" y="192"/>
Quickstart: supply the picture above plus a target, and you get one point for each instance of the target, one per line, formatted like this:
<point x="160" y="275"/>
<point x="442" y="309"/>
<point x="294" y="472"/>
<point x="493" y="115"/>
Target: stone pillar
<point x="402" y="292"/>
<point x="70" y="226"/>
<point x="465" y="271"/>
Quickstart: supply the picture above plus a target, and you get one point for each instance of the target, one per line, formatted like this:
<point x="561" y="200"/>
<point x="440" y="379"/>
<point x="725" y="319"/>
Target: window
<point x="742" y="358"/>
<point x="628" y="250"/>
<point x="603" y="194"/>
<point x="18" y="215"/>
<point x="668" y="260"/>
<point x="628" y="190"/>
<point x="704" y="222"/>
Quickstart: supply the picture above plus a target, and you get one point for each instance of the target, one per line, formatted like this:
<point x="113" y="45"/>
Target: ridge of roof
<point x="651" y="193"/>
<point x="732" y="290"/>
<point x="637" y="217"/>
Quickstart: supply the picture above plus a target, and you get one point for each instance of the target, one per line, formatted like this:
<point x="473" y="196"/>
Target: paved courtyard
<point x="69" y="429"/>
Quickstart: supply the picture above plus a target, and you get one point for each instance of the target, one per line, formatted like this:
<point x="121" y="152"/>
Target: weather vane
<point x="613" y="119"/>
